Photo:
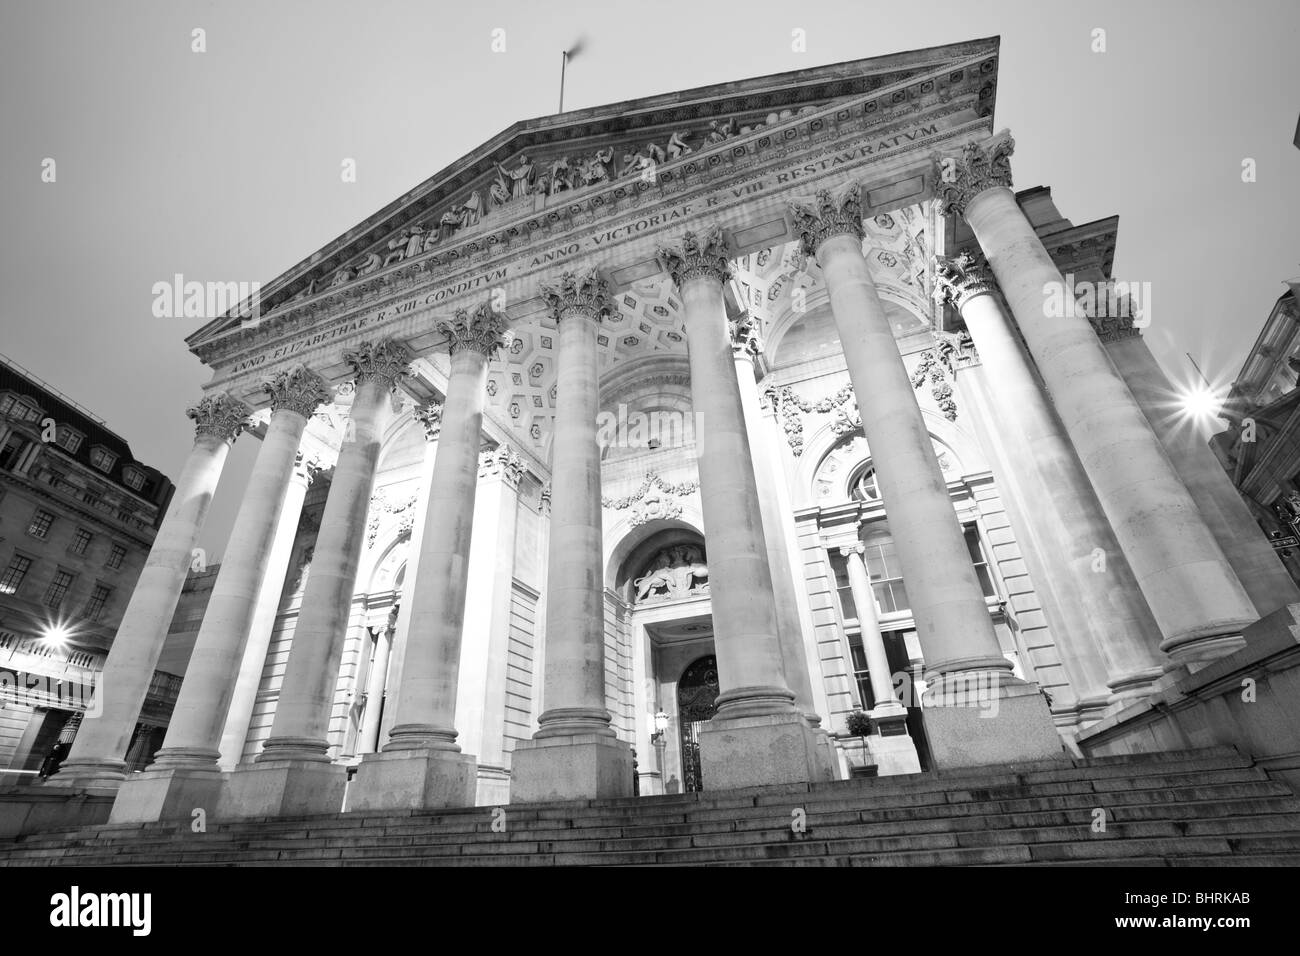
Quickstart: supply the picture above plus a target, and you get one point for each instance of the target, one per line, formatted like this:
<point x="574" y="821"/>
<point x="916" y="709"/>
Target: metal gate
<point x="697" y="696"/>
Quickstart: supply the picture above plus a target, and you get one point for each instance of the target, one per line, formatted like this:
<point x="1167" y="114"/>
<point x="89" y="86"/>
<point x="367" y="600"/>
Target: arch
<point x="639" y="545"/>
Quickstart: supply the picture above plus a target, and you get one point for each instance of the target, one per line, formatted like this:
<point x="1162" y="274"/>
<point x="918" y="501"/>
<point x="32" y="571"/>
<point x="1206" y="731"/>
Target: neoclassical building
<point x="731" y="437"/>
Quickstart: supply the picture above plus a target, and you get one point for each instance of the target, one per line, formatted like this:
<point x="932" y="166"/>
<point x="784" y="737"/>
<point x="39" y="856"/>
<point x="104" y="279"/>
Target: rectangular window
<point x="115" y="557"/>
<point x="40" y="526"/>
<point x="58" y="589"/>
<point x="80" y="541"/>
<point x="102" y="458"/>
<point x="6" y="403"/>
<point x="98" y="599"/>
<point x="13" y="451"/>
<point x="886" y="577"/>
<point x="860" y="675"/>
<point x="980" y="562"/>
<point x="68" y="439"/>
<point x="839" y="566"/>
<point x="134" y="478"/>
<point x="14" y="574"/>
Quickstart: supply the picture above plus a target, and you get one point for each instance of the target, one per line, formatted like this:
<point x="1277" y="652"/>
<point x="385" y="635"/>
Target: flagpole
<point x="564" y="62"/>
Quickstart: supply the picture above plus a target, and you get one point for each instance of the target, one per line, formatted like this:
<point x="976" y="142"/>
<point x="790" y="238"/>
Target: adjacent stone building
<point x="78" y="515"/>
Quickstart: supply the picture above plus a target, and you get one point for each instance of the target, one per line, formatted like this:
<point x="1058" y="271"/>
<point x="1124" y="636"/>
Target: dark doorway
<point x="697" y="702"/>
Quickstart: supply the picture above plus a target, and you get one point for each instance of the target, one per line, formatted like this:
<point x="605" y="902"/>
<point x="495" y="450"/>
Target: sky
<point x="224" y="165"/>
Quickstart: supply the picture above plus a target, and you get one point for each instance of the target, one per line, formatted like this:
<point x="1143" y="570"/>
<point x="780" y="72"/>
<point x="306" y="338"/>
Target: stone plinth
<point x="414" y="780"/>
<point x="972" y="722"/>
<point x="762" y="750"/>
<point x="170" y="793"/>
<point x="275" y="788"/>
<point x="580" y="767"/>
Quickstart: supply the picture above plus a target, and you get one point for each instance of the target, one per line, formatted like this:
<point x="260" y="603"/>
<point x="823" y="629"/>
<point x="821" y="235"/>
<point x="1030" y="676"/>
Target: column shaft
<point x="1196" y="598"/>
<point x="194" y="734"/>
<point x="873" y="642"/>
<point x="97" y="754"/>
<point x="426" y="700"/>
<point x="376" y="682"/>
<point x="1068" y="545"/>
<point x="952" y="618"/>
<point x="575" y="611"/>
<point x="311" y="674"/>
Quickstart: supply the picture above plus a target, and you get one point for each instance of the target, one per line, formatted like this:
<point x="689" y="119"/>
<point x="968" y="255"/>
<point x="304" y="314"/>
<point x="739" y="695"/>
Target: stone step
<point x="1163" y="809"/>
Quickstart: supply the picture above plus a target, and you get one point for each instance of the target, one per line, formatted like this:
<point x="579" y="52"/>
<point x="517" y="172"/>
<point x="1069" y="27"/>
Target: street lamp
<point x="660" y="743"/>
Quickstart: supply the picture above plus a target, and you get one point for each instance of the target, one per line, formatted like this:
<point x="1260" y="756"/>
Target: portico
<point x="767" y="281"/>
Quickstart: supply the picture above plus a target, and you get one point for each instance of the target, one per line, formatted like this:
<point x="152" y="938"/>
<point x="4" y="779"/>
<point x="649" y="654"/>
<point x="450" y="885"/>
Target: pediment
<point x="539" y="165"/>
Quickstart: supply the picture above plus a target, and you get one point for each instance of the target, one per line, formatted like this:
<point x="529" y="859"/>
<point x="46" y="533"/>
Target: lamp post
<point x="660" y="744"/>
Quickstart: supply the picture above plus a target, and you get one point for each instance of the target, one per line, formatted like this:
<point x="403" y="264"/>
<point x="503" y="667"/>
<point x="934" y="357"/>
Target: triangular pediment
<point x="535" y="161"/>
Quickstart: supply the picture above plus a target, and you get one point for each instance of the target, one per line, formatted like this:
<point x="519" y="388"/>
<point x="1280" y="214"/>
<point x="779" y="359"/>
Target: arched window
<point x="862" y="486"/>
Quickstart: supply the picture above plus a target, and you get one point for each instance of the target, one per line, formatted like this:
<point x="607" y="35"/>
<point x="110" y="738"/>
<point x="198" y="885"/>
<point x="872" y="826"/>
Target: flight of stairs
<point x="1189" y="808"/>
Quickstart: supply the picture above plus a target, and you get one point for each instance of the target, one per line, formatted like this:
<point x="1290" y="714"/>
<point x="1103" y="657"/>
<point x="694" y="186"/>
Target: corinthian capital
<point x="384" y="361"/>
<point x="504" y="461"/>
<point x="430" y="416"/>
<point x="219" y="415"/>
<point x="828" y="215"/>
<point x="981" y="166"/>
<point x="479" y="331"/>
<point x="960" y="279"/>
<point x="698" y="255"/>
<point x="298" y="389"/>
<point x="584" y="292"/>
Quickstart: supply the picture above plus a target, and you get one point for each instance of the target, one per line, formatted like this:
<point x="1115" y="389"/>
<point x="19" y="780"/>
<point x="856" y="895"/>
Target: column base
<point x="100" y="776"/>
<point x="581" y="767"/>
<point x="169" y="793"/>
<point x="982" y="718"/>
<point x="756" y="751"/>
<point x="414" y="780"/>
<point x="1200" y="651"/>
<point x="282" y="788"/>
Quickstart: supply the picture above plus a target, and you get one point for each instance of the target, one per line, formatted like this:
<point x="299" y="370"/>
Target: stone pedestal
<point x="414" y="780"/>
<point x="169" y="793"/>
<point x="278" y="788"/>
<point x="577" y="767"/>
<point x="973" y="722"/>
<point x="762" y="750"/>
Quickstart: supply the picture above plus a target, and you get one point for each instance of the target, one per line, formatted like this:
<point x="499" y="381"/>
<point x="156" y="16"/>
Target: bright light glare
<point x="56" y="634"/>
<point x="1200" y="403"/>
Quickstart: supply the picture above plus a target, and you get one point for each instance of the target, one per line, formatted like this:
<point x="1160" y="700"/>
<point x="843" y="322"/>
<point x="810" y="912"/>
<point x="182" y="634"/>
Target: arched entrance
<point x="697" y="696"/>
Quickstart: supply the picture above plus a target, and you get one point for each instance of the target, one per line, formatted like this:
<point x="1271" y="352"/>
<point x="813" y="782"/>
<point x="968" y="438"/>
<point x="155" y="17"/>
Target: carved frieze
<point x="787" y="403"/>
<point x="654" y="498"/>
<point x="676" y="572"/>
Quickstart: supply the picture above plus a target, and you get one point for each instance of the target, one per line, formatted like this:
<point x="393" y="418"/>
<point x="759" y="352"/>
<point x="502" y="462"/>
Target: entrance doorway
<point x="697" y="702"/>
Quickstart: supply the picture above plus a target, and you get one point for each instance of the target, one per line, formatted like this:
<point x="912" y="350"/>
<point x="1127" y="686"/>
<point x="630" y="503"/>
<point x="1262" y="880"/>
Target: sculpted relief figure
<point x="717" y="134"/>
<point x="472" y="211"/>
<point x="520" y="177"/>
<point x="675" y="572"/>
<point x="499" y="192"/>
<point x="677" y="144"/>
<point x="560" y="177"/>
<point x="592" y="169"/>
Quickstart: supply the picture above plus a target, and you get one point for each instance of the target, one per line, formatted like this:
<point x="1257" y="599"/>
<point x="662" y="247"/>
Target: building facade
<point x="1260" y="449"/>
<point x="716" y="439"/>
<point x="78" y="515"/>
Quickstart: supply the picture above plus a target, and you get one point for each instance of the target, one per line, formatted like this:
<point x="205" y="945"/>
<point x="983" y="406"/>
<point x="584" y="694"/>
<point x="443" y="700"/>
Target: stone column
<point x="1097" y="609"/>
<point x="421" y="765"/>
<point x="270" y="593"/>
<point x="1197" y="600"/>
<point x="745" y="346"/>
<point x="185" y="774"/>
<point x="574" y="754"/>
<point x="293" y="773"/>
<point x="376" y="684"/>
<point x="481" y="703"/>
<point x="977" y="712"/>
<point x="96" y="759"/>
<point x="429" y="415"/>
<point x="1226" y="513"/>
<point x="759" y="735"/>
<point x="891" y="745"/>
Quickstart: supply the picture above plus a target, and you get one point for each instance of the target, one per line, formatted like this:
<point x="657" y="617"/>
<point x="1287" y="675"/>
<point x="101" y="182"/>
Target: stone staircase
<point x="1189" y="808"/>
